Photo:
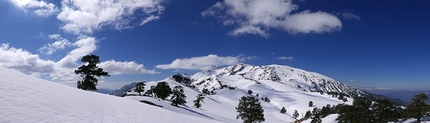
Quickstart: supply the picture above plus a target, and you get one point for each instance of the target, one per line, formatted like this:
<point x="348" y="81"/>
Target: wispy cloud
<point x="203" y="62"/>
<point x="349" y="16"/>
<point x="354" y="80"/>
<point x="40" y="7"/>
<point x="85" y="16"/>
<point x="60" y="43"/>
<point x="259" y="16"/>
<point x="290" y="58"/>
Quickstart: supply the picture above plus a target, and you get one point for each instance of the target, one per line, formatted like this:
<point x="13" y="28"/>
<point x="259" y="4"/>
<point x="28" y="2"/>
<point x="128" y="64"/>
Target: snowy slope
<point x="265" y="82"/>
<point x="25" y="98"/>
<point x="275" y="77"/>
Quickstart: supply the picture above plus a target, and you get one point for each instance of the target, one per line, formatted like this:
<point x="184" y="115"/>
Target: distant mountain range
<point x="403" y="95"/>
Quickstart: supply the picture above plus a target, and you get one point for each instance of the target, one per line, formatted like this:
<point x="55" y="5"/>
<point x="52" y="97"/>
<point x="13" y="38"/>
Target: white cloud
<point x="249" y="30"/>
<point x="85" y="16"/>
<point x="63" y="69"/>
<point x="81" y="17"/>
<point x="258" y="16"/>
<point x="118" y="68"/>
<point x="60" y="43"/>
<point x="286" y="58"/>
<point x="24" y="61"/>
<point x="350" y="16"/>
<point x="203" y="62"/>
<point x="40" y="7"/>
<point x="150" y="18"/>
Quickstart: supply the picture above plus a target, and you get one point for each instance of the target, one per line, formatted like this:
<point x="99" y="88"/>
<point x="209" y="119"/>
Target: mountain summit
<point x="277" y="78"/>
<point x="272" y="77"/>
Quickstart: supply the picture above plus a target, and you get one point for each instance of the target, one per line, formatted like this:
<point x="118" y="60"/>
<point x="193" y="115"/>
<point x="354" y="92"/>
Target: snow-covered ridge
<point x="294" y="78"/>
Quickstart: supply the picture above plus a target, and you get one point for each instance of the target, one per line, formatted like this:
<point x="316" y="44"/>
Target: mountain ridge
<point x="295" y="78"/>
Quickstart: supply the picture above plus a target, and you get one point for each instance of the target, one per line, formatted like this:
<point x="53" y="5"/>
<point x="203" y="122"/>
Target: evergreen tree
<point x="266" y="99"/>
<point x="308" y="114"/>
<point x="250" y="110"/>
<point x="311" y="103"/>
<point x="199" y="99"/>
<point x="295" y="114"/>
<point x="249" y="92"/>
<point x="384" y="111"/>
<point x="417" y="109"/>
<point x="150" y="92"/>
<point x="359" y="112"/>
<point x="205" y="91"/>
<point x="162" y="90"/>
<point x="316" y="111"/>
<point x="283" y="110"/>
<point x="140" y="87"/>
<point x="178" y="96"/>
<point x="90" y="72"/>
<point x="316" y="119"/>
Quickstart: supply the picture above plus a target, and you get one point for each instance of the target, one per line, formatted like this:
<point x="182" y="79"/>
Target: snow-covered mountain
<point x="277" y="78"/>
<point x="284" y="86"/>
<point x="123" y="90"/>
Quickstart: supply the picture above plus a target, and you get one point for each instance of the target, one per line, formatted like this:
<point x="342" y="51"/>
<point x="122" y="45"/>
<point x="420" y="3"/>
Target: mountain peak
<point x="272" y="77"/>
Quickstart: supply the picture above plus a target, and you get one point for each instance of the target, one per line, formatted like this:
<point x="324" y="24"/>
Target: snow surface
<point x="221" y="106"/>
<point x="27" y="99"/>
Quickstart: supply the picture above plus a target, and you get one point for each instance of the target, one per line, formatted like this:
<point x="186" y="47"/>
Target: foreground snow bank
<point x="24" y="98"/>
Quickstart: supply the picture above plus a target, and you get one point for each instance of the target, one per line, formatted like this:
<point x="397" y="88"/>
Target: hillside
<point x="230" y="83"/>
<point x="28" y="99"/>
<point x="279" y="78"/>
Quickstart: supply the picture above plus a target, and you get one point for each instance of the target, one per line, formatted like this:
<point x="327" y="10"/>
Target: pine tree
<point x="308" y="114"/>
<point x="150" y="92"/>
<point x="358" y="113"/>
<point x="295" y="114"/>
<point x="384" y="111"/>
<point x="311" y="103"/>
<point x="140" y="87"/>
<point x="417" y="109"/>
<point x="249" y="92"/>
<point x="162" y="90"/>
<point x="178" y="96"/>
<point x="199" y="99"/>
<point x="250" y="110"/>
<point x="283" y="110"/>
<point x="90" y="72"/>
<point x="205" y="91"/>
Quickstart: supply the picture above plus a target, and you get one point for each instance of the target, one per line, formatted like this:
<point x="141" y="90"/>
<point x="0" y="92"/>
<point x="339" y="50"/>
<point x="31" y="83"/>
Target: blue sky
<point x="361" y="43"/>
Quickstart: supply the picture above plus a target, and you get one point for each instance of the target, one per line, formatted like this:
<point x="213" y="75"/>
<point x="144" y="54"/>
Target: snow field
<point x="28" y="99"/>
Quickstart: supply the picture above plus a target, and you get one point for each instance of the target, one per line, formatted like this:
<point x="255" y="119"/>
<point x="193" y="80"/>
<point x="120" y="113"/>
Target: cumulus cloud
<point x="117" y="68"/>
<point x="286" y="58"/>
<point x="24" y="61"/>
<point x="40" y="7"/>
<point x="60" y="43"/>
<point x="258" y="16"/>
<point x="85" y="16"/>
<point x="63" y="69"/>
<point x="203" y="62"/>
<point x="349" y="16"/>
